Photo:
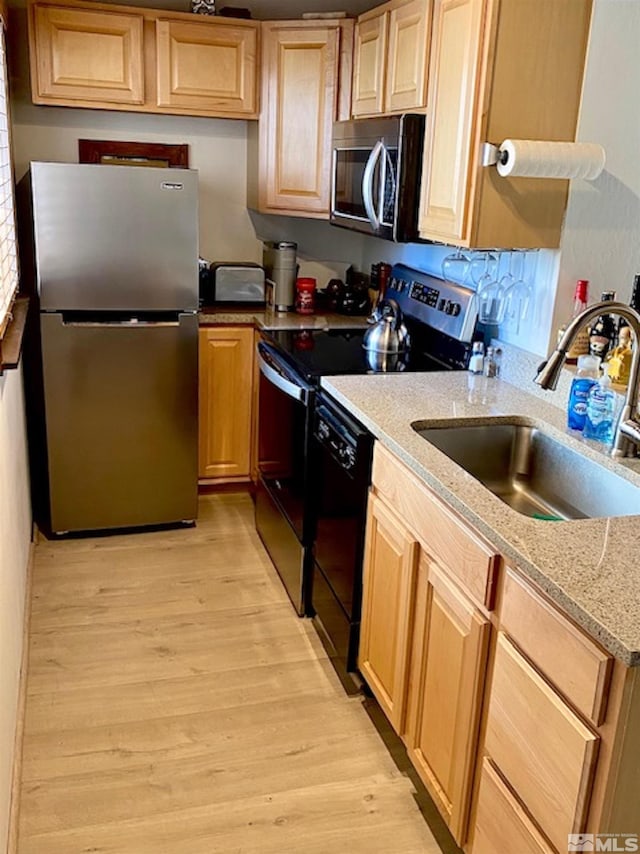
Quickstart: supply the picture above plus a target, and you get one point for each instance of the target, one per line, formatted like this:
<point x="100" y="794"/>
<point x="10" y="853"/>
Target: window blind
<point x="8" y="261"/>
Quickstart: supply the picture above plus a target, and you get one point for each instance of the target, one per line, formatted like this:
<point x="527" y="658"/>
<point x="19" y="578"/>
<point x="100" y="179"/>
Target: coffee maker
<point x="280" y="267"/>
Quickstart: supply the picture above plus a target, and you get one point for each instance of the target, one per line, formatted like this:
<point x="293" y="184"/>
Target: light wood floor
<point x="176" y="705"/>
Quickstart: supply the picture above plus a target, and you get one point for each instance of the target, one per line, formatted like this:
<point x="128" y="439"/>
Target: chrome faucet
<point x="626" y="441"/>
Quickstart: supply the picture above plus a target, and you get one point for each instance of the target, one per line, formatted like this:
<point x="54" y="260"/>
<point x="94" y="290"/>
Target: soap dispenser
<point x="583" y="382"/>
<point x="601" y="410"/>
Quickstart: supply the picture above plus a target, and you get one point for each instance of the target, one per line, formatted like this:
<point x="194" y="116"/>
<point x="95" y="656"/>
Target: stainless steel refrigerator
<point x="112" y="253"/>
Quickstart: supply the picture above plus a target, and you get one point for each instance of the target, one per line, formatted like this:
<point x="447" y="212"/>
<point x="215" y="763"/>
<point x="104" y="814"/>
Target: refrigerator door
<point x="121" y="421"/>
<point x="115" y="238"/>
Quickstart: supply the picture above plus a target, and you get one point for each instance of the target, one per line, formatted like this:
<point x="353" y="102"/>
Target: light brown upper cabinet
<point x="203" y="67"/>
<point x="303" y="64"/>
<point x="391" y="51"/>
<point x="86" y="55"/>
<point x="119" y="57"/>
<point x="369" y="62"/>
<point x="499" y="71"/>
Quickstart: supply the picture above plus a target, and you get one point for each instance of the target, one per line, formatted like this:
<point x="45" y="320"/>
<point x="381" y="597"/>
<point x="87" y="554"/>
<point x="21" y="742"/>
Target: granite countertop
<point x="589" y="567"/>
<point x="273" y="320"/>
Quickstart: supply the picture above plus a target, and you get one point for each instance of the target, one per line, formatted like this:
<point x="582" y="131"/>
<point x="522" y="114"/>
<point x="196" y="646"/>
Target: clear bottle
<point x="476" y="362"/>
<point x="490" y="367"/>
<point x="603" y="334"/>
<point x="601" y="411"/>
<point x="580" y="346"/>
<point x="583" y="382"/>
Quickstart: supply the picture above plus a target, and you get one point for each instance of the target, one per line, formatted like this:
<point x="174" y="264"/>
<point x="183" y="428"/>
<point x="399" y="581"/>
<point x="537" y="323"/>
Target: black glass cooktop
<point x="316" y="353"/>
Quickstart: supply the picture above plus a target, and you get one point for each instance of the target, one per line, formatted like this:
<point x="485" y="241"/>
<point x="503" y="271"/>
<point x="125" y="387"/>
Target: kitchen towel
<point x="527" y="158"/>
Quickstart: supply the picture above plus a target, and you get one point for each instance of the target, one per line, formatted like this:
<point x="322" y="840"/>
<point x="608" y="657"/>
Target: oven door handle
<point x="270" y="368"/>
<point x="367" y="183"/>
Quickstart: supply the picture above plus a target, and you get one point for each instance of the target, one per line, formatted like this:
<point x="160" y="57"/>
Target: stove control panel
<point x="425" y="294"/>
<point x="446" y="306"/>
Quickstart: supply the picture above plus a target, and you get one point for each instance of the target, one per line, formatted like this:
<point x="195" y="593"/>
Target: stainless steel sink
<point x="533" y="472"/>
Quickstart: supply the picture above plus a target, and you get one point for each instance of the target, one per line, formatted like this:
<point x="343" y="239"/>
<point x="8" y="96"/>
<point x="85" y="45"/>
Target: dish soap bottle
<point x="601" y="410"/>
<point x="583" y="382"/>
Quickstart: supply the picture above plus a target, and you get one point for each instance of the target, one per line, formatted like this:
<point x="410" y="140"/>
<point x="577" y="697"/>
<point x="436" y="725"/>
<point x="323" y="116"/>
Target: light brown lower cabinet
<point x="226" y="365"/>
<point x="389" y="580"/>
<point x="424" y="638"/>
<point x="522" y="728"/>
<point x="540" y="745"/>
<point x="448" y="664"/>
<point x="501" y="823"/>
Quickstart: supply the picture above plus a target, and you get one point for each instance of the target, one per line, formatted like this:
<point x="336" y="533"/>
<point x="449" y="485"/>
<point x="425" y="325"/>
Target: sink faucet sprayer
<point x="626" y="441"/>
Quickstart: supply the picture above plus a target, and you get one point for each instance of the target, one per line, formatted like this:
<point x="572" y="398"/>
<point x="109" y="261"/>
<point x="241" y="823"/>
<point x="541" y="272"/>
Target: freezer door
<point x="121" y="421"/>
<point x="115" y="237"/>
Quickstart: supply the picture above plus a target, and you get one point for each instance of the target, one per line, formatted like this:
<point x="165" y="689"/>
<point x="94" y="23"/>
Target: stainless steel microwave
<point x="376" y="174"/>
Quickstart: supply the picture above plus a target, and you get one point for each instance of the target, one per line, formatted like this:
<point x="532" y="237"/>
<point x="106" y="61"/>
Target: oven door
<point x="283" y="520"/>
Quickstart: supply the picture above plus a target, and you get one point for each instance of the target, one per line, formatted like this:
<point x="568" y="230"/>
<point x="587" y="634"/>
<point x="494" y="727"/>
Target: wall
<point x="601" y="238"/>
<point x="15" y="533"/>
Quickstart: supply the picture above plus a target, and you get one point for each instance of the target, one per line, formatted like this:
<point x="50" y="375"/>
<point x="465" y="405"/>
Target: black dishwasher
<point x="341" y="451"/>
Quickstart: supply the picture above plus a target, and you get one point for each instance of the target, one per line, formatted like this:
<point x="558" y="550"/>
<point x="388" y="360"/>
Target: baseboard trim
<point x="14" y="807"/>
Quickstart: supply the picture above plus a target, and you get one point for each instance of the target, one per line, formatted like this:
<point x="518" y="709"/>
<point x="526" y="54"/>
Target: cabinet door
<point x="300" y="73"/>
<point x="369" y="60"/>
<point x="225" y="399"/>
<point x="207" y="66"/>
<point x="501" y="824"/>
<point x="453" y="86"/>
<point x="85" y="55"/>
<point x="407" y="56"/>
<point x="389" y="577"/>
<point x="449" y="656"/>
<point x="541" y="747"/>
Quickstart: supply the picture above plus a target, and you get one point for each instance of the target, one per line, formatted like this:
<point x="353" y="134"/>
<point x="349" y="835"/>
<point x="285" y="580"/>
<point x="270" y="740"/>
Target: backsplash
<point x="519" y="367"/>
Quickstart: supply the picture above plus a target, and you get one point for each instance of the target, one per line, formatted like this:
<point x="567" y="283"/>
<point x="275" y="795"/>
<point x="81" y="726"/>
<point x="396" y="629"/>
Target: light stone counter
<point x="273" y="320"/>
<point x="590" y="567"/>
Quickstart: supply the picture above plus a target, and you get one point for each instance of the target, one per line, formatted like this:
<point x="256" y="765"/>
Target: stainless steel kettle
<point x="388" y="334"/>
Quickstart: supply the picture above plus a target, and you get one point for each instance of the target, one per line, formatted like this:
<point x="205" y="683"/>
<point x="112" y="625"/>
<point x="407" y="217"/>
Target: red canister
<point x="305" y="295"/>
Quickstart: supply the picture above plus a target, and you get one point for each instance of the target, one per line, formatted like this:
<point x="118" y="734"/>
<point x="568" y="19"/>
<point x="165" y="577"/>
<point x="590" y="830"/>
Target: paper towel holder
<point x="492" y="155"/>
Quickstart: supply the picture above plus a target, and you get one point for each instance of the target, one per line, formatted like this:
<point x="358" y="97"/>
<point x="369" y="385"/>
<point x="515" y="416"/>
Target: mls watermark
<point x="604" y="842"/>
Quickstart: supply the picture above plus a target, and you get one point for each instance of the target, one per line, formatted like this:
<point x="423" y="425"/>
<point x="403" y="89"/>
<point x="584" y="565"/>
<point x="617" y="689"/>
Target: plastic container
<point x="305" y="295"/>
<point x="601" y="411"/>
<point x="585" y="379"/>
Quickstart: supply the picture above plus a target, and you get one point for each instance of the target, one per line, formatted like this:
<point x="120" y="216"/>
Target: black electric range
<point x="314" y="459"/>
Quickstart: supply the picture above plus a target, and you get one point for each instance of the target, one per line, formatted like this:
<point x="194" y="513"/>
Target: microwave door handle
<point x="367" y="183"/>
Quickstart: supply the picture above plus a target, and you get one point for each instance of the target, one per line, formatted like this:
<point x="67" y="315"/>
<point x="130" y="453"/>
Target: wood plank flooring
<point x="177" y="705"/>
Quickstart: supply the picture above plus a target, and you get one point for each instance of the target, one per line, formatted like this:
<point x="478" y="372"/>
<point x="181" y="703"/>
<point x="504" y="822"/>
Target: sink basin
<point x="534" y="473"/>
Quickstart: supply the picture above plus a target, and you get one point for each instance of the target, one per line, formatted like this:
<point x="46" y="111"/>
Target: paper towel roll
<point x="527" y="158"/>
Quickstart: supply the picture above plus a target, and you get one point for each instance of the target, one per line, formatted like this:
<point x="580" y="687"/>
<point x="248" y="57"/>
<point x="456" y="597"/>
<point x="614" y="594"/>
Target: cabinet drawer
<point x="573" y="662"/>
<point x="447" y="538"/>
<point x="543" y="749"/>
<point x="501" y="823"/>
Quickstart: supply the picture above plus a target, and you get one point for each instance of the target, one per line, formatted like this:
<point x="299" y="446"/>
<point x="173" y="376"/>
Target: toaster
<point x="232" y="282"/>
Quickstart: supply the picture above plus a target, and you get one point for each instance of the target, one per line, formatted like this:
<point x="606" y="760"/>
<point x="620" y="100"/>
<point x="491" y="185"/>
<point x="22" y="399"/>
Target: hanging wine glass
<point x="490" y="295"/>
<point x="482" y="263"/>
<point x="518" y="297"/>
<point x="455" y="267"/>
